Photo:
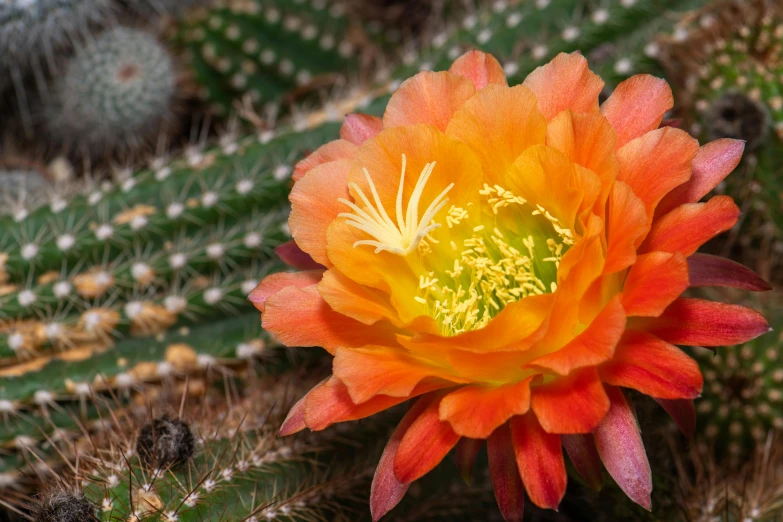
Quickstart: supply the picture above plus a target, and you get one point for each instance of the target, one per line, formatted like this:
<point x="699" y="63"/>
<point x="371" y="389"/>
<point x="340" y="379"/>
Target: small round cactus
<point x="165" y="442"/>
<point x="63" y="506"/>
<point x="33" y="31"/>
<point x="117" y="93"/>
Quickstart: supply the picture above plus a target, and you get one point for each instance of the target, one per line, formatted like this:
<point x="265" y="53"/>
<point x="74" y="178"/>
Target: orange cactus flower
<point x="510" y="258"/>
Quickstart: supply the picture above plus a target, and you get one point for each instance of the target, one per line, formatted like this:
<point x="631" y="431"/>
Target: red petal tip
<point x="295" y="421"/>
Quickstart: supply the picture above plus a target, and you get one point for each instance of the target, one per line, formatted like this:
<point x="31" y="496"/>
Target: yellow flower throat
<point x="470" y="274"/>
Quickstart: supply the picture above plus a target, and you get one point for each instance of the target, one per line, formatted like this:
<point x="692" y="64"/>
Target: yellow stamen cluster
<point x="489" y="271"/>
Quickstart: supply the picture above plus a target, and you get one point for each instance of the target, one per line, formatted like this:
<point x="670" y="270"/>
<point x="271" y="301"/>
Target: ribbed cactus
<point x="726" y="61"/>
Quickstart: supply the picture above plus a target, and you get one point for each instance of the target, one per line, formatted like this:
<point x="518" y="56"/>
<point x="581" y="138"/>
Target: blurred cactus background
<point x="146" y="154"/>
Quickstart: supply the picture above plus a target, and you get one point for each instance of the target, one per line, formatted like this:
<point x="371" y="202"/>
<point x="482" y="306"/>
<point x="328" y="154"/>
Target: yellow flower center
<point x="513" y="252"/>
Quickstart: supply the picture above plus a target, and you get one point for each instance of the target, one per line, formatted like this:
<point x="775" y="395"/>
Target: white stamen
<point x="405" y="236"/>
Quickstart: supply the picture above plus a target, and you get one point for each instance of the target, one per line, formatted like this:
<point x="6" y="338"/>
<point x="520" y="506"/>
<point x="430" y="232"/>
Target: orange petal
<point x="378" y="370"/>
<point x="654" y="367"/>
<point x="383" y="271"/>
<point x="428" y="97"/>
<point x="620" y="446"/>
<point x="498" y="124"/>
<point x="572" y="404"/>
<point x="504" y="473"/>
<point x="421" y="144"/>
<point x="535" y="172"/>
<point x="626" y="222"/>
<point x="510" y="330"/>
<point x="593" y="346"/>
<point x="655" y="163"/>
<point x="386" y="491"/>
<point x="712" y="164"/>
<point x="347" y="297"/>
<point x="565" y="83"/>
<point x="314" y="206"/>
<point x="332" y="151"/>
<point x="540" y="461"/>
<point x="480" y="68"/>
<point x="424" y="445"/>
<point x="275" y="282"/>
<point x="300" y="317"/>
<point x="358" y="128"/>
<point x="688" y="227"/>
<point x="329" y="403"/>
<point x="654" y="282"/>
<point x="697" y="322"/>
<point x="637" y="106"/>
<point x="475" y="411"/>
<point x="587" y="140"/>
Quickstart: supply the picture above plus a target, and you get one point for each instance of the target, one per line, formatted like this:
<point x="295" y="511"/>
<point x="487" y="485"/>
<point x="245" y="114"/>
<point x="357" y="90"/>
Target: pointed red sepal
<point x="584" y="456"/>
<point x="707" y="270"/>
<point x="714" y="161"/>
<point x="698" y="322"/>
<point x="386" y="491"/>
<point x="621" y="449"/>
<point x="293" y="256"/>
<point x="358" y="128"/>
<point x="295" y="420"/>
<point x="540" y="460"/>
<point x="503" y="471"/>
<point x="424" y="444"/>
<point x="683" y="412"/>
<point x="671" y="122"/>
<point x="466" y="452"/>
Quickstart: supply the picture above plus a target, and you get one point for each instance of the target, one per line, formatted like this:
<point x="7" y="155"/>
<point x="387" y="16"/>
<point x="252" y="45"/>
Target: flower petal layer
<point x="626" y="221"/>
<point x="475" y="411"/>
<point x="290" y="253"/>
<point x="689" y="226"/>
<point x="593" y="346"/>
<point x="540" y="461"/>
<point x="465" y="454"/>
<point x="654" y="281"/>
<point x="584" y="456"/>
<point x="481" y="68"/>
<point x="572" y="404"/>
<point x="424" y="445"/>
<point x="620" y="446"/>
<point x="379" y="370"/>
<point x="300" y="317"/>
<point x="332" y="151"/>
<point x="707" y="270"/>
<point x="504" y="473"/>
<point x="654" y="367"/>
<point x="358" y="128"/>
<point x="697" y="322"/>
<point x="428" y="97"/>
<point x="653" y="164"/>
<point x="565" y="83"/>
<point x="498" y="124"/>
<point x="276" y="282"/>
<point x="637" y="106"/>
<point x="314" y="206"/>
<point x="715" y="160"/>
<point x="683" y="412"/>
<point x="386" y="491"/>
